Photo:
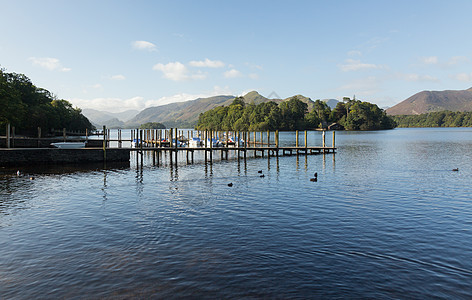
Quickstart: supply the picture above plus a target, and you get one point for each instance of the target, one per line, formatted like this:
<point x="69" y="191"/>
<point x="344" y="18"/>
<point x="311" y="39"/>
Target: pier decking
<point x="168" y="144"/>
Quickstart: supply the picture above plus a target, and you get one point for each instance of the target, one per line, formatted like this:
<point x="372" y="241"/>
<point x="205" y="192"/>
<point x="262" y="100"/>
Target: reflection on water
<point x="387" y="218"/>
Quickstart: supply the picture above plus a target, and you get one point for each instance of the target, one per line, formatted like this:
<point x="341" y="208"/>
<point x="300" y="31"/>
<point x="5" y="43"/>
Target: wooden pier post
<point x="324" y="138"/>
<point x="277" y="143"/>
<point x="334" y="144"/>
<point x="8" y="135"/>
<point x="306" y="139"/>
<point x="296" y="139"/>
<point x="39" y="137"/>
<point x="246" y="140"/>
<point x="211" y="146"/>
<point x="205" y="144"/>
<point x="176" y="144"/>
<point x="104" y="144"/>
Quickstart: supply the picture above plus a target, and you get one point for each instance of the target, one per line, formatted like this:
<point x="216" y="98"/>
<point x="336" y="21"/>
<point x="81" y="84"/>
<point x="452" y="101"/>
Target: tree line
<point x="436" y="119"/>
<point x="293" y="114"/>
<point x="27" y="107"/>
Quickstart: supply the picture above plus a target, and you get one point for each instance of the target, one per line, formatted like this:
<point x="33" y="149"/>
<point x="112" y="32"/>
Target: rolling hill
<point x="432" y="101"/>
<point x="185" y="114"/>
<point x="110" y="120"/>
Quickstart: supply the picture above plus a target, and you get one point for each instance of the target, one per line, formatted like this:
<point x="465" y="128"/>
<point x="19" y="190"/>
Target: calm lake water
<point x="387" y="218"/>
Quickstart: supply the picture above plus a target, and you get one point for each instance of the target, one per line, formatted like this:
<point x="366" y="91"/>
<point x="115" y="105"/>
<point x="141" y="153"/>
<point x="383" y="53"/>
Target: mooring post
<point x="39" y="137"/>
<point x="296" y="139"/>
<point x="277" y="143"/>
<point x="104" y="144"/>
<point x="306" y="139"/>
<point x="211" y="146"/>
<point x="176" y="144"/>
<point x="334" y="144"/>
<point x="205" y="144"/>
<point x="8" y="135"/>
<point x="324" y="139"/>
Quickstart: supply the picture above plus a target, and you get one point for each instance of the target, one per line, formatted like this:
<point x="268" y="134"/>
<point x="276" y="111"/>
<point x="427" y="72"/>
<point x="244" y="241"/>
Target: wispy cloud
<point x="356" y="65"/>
<point x="118" y="77"/>
<point x="116" y="105"/>
<point x="457" y="60"/>
<point x="363" y="86"/>
<point x="49" y="63"/>
<point x="417" y="77"/>
<point x="233" y="73"/>
<point x="464" y="77"/>
<point x="354" y="53"/>
<point x="207" y="63"/>
<point x="177" y="71"/>
<point x="429" y="60"/>
<point x="144" y="45"/>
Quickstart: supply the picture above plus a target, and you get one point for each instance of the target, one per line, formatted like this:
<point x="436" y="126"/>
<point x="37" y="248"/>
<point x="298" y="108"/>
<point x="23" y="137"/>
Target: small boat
<point x="135" y="143"/>
<point x="69" y="145"/>
<point x="195" y="142"/>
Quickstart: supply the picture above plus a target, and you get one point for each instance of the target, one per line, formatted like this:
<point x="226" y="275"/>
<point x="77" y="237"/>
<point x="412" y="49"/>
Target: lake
<point x="387" y="218"/>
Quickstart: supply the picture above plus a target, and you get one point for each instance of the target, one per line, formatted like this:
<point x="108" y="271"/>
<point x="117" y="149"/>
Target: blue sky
<point x="119" y="55"/>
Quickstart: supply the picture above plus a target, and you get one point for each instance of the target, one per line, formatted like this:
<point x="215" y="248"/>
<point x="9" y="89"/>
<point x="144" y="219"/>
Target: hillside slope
<point x="431" y="101"/>
<point x="185" y="114"/>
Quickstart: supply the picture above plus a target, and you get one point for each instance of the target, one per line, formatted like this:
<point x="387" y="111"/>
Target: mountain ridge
<point x="433" y="101"/>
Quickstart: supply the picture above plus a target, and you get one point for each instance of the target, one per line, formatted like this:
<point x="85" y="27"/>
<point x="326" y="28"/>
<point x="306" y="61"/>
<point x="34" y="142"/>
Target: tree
<point x="27" y="107"/>
<point x="152" y="125"/>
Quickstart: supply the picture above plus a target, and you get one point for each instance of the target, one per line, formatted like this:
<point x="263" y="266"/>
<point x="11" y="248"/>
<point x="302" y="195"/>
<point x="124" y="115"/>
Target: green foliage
<point x="152" y="125"/>
<point x="436" y="119"/>
<point x="293" y="115"/>
<point x="27" y="107"/>
<point x="359" y="115"/>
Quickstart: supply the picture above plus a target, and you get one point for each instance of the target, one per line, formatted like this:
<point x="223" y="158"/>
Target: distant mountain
<point x="331" y="102"/>
<point x="180" y="114"/>
<point x="431" y="101"/>
<point x="185" y="114"/>
<point x="111" y="120"/>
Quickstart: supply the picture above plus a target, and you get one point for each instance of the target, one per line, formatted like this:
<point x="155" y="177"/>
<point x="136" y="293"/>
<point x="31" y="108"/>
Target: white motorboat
<point x="69" y="145"/>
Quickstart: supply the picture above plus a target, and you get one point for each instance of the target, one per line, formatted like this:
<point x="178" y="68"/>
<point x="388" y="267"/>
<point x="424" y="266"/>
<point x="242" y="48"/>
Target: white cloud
<point x="96" y="86"/>
<point x="418" y="77"/>
<point x="49" y="63"/>
<point x="363" y="87"/>
<point x="116" y="105"/>
<point x="252" y="66"/>
<point x="207" y="63"/>
<point x="110" y="104"/>
<point x="177" y="71"/>
<point x="118" y="77"/>
<point x="233" y="73"/>
<point x="429" y="60"/>
<point x="144" y="45"/>
<point x="254" y="76"/>
<point x="456" y="60"/>
<point x="354" y="53"/>
<point x="464" y="77"/>
<point x="356" y="65"/>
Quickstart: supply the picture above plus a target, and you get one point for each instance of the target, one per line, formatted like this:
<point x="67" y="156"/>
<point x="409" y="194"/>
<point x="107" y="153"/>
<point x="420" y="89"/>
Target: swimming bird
<point x="314" y="179"/>
<point x="456" y="169"/>
<point x="18" y="173"/>
<point x="316" y="175"/>
<point x="31" y="178"/>
<point x="260" y="171"/>
<point x="262" y="176"/>
<point x="230" y="184"/>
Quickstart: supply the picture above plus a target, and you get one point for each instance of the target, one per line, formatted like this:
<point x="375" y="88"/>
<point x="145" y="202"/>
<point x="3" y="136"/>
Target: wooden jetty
<point x="167" y="144"/>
